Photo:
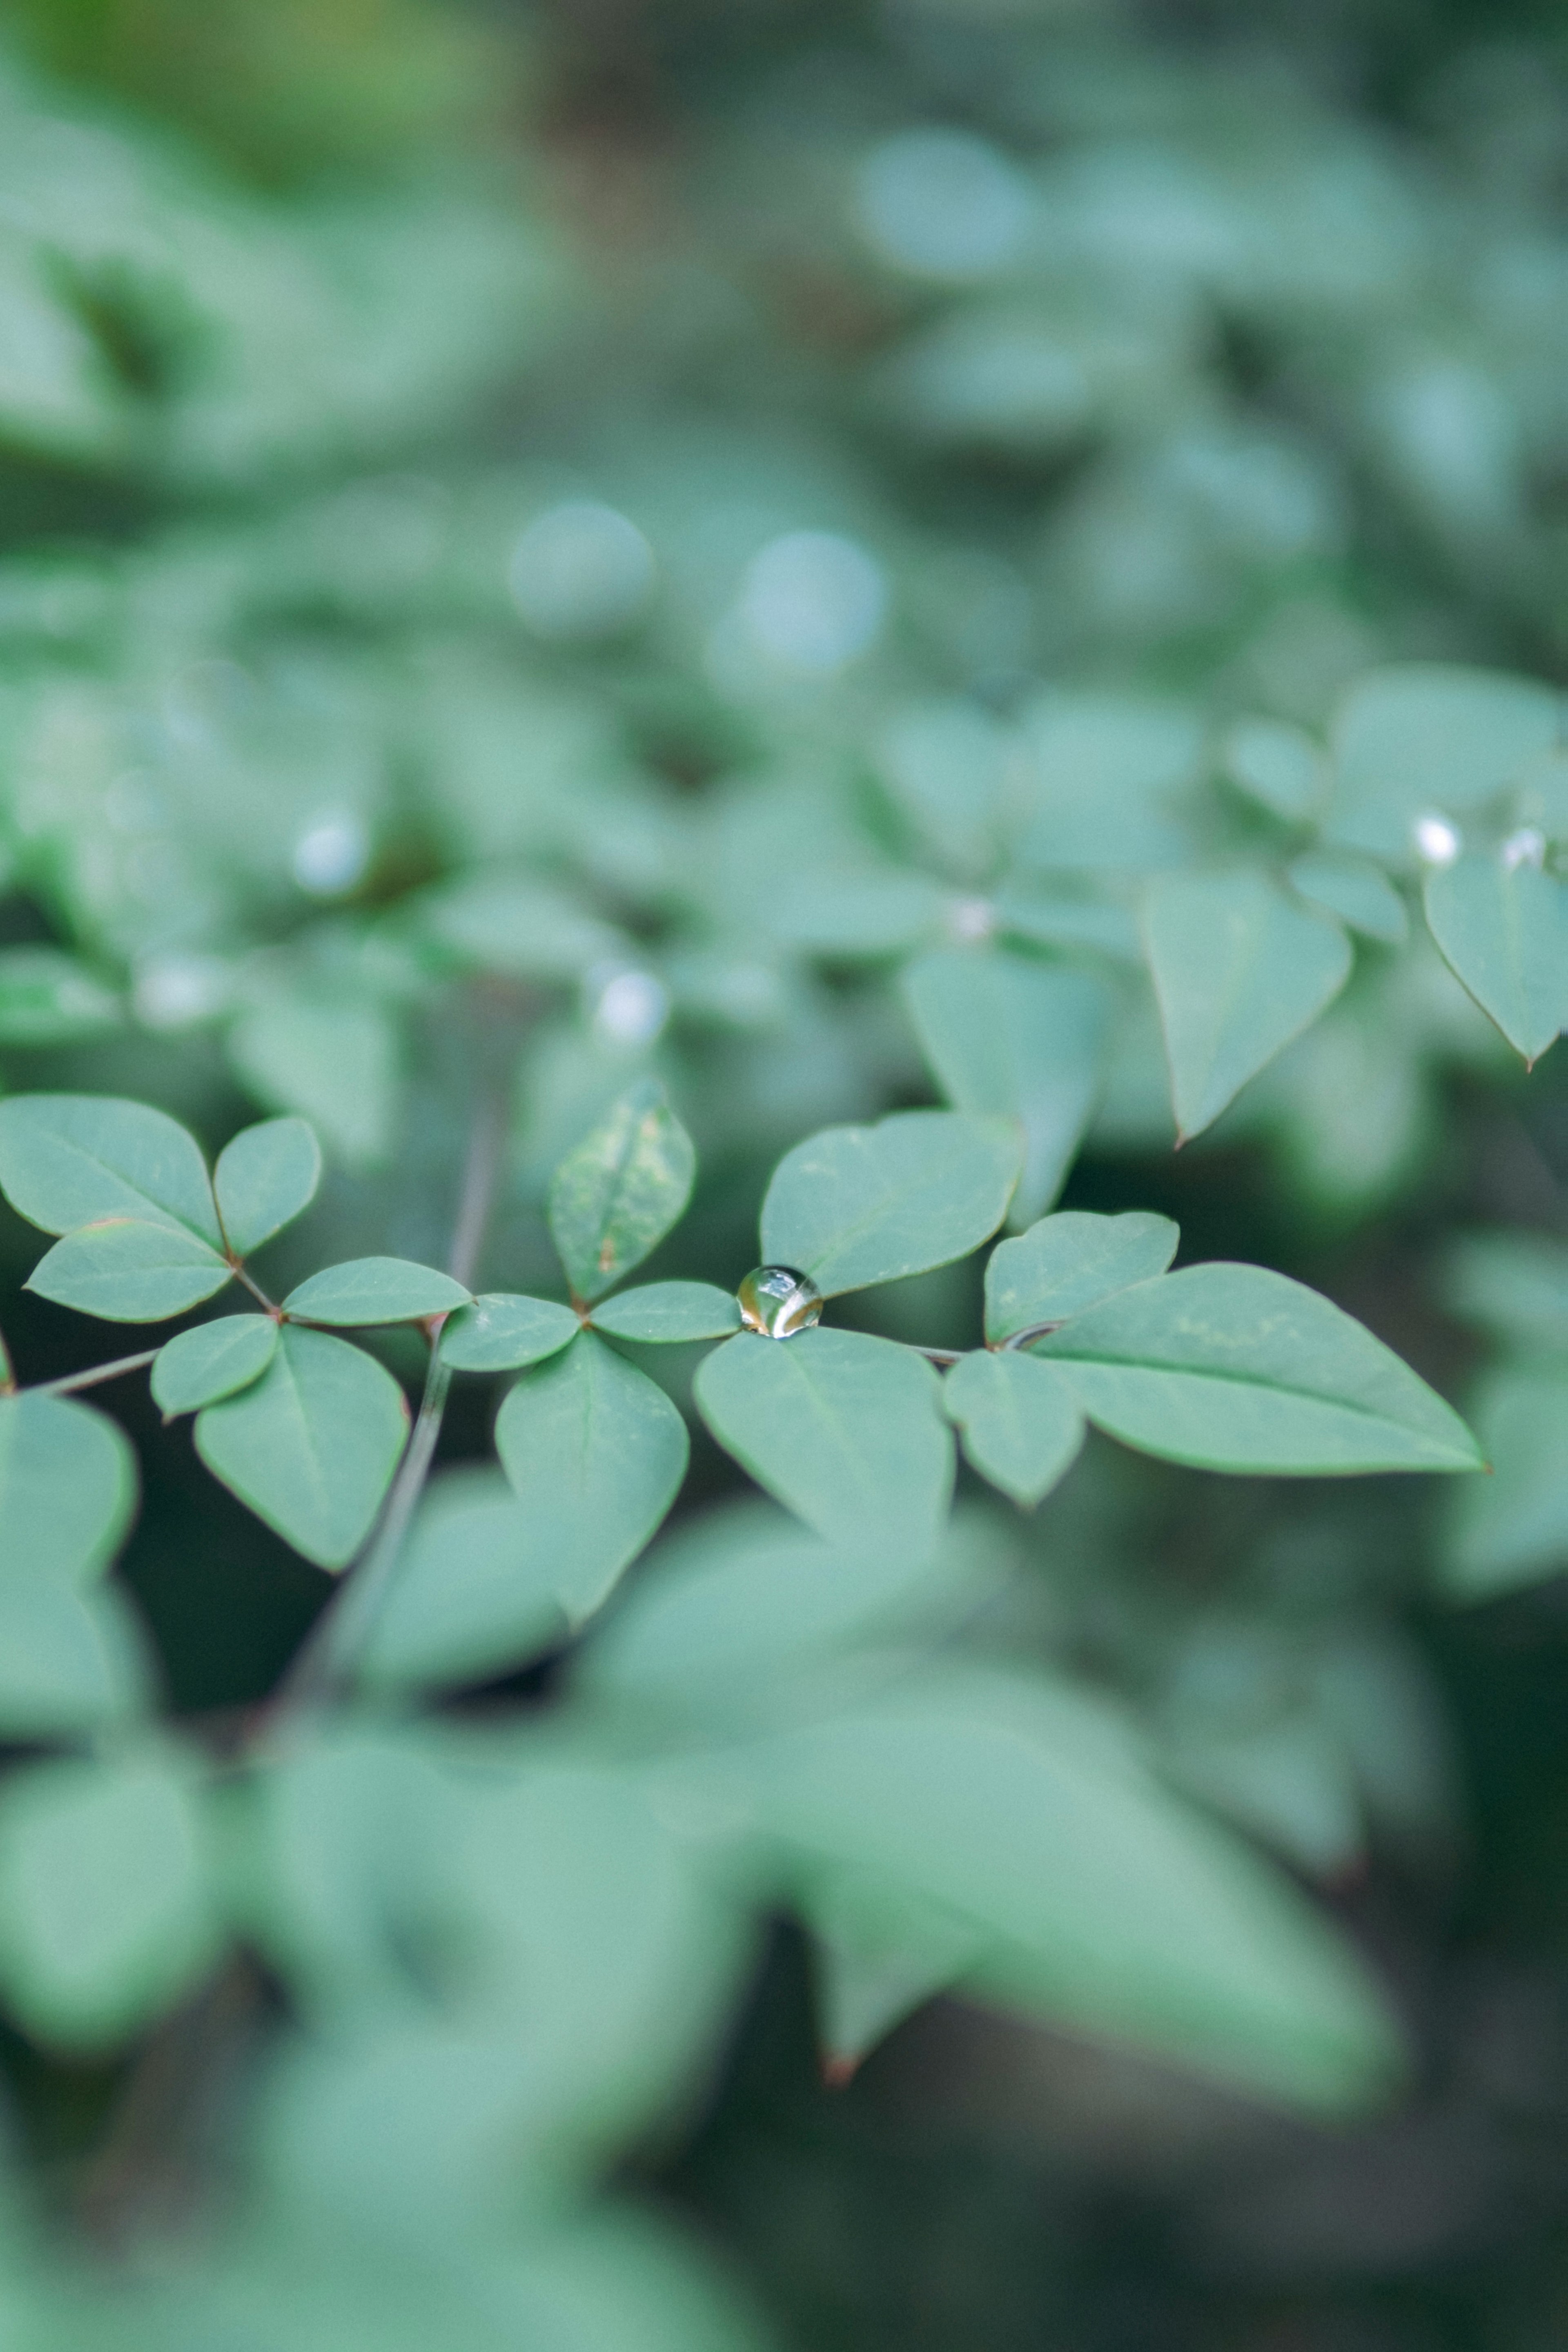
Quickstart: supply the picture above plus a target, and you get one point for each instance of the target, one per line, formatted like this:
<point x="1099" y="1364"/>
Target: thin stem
<point x="257" y="1292"/>
<point x="96" y="1372"/>
<point x="344" y="1627"/>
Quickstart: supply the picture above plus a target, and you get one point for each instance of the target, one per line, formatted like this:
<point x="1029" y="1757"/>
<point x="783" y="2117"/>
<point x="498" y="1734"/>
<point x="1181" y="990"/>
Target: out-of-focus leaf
<point x="335" y="1061"/>
<point x="1429" y="737"/>
<point x="857" y="1205"/>
<point x="51" y="999"/>
<point x="1504" y="931"/>
<point x="1512" y="1528"/>
<point x="1279" y="765"/>
<point x="474" y="1591"/>
<point x="1515" y="1285"/>
<point x="855" y="915"/>
<point x="1358" y="892"/>
<point x="614" y="1197"/>
<point x="67" y="1486"/>
<point x="71" y="1658"/>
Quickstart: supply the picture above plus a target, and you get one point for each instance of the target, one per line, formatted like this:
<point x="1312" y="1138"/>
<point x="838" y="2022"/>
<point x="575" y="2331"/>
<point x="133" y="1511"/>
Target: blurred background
<point x="683" y="389"/>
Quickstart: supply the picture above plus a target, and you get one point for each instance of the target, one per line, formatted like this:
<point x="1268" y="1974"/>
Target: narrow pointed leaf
<point x="365" y="1290"/>
<point x="661" y="1312"/>
<point x="72" y="1160"/>
<point x="264" y="1179"/>
<point x="614" y="1198"/>
<point x="844" y="1430"/>
<point x="311" y="1446"/>
<point x="1071" y="1261"/>
<point x="1505" y="933"/>
<point x="67" y="1486"/>
<point x="474" y="1591"/>
<point x="1236" y="1367"/>
<point x="595" y="1453"/>
<point x="857" y="1205"/>
<point x="128" y="1270"/>
<point x="504" y="1331"/>
<point x="1019" y="1039"/>
<point x="212" y="1360"/>
<point x="1239" y="968"/>
<point x="1019" y="1430"/>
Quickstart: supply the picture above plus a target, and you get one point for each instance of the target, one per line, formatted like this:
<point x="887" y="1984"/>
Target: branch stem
<point x="94" y="1373"/>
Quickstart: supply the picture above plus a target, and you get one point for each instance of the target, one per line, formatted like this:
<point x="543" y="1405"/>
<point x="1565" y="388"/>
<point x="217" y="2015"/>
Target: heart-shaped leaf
<point x="857" y="1205"/>
<point x="67" y="1486"/>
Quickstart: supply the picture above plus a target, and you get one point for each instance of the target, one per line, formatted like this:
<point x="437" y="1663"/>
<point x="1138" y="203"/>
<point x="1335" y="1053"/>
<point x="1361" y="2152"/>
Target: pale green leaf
<point x="517" y="924"/>
<point x="72" y="1160"/>
<point x="844" y="1430"/>
<point x="1019" y="1430"/>
<point x="333" y="1060"/>
<point x="375" y="1290"/>
<point x="105" y="1914"/>
<point x="51" y="999"/>
<point x="857" y="1205"/>
<point x="1430" y="737"/>
<point x="1239" y="968"/>
<point x="1019" y="1039"/>
<point x="1504" y="931"/>
<point x="1071" y="1261"/>
<point x="595" y="1454"/>
<point x="1103" y="1902"/>
<point x="855" y="915"/>
<point x="668" y="1311"/>
<point x="311" y="1446"/>
<point x="503" y="1331"/>
<point x="614" y="1197"/>
<point x="1096" y="924"/>
<point x="1356" y="890"/>
<point x="474" y="1591"/>
<point x="129" y="1271"/>
<point x="1279" y="765"/>
<point x="1106" y="772"/>
<point x="1236" y="1368"/>
<point x="264" y="1178"/>
<point x="212" y="1360"/>
<point x="71" y="1660"/>
<point x="879" y="1952"/>
<point x="1515" y="1285"/>
<point x="1512" y="1528"/>
<point x="67" y="1486"/>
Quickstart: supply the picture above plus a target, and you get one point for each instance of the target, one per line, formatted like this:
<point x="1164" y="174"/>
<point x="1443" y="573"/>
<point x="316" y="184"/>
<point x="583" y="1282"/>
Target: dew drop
<point x="778" y="1302"/>
<point x="1438" y="840"/>
<point x="1525" y="847"/>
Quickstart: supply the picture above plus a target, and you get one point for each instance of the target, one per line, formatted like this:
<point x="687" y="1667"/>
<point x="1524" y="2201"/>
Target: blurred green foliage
<point x="823" y="560"/>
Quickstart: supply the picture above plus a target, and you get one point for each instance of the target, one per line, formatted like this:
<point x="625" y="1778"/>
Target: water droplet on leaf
<point x="1436" y="839"/>
<point x="778" y="1302"/>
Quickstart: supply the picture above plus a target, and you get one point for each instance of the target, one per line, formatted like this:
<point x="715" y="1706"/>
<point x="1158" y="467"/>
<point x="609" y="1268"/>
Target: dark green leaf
<point x="1512" y="1528"/>
<point x="1017" y="1039"/>
<point x="375" y="1290"/>
<point x="843" y="1429"/>
<point x="1019" y="1430"/>
<point x="1239" y="968"/>
<point x="614" y="1198"/>
<point x="128" y="1270"/>
<point x="1071" y="1261"/>
<point x="503" y="1331"/>
<point x="1504" y="930"/>
<point x="595" y="1454"/>
<point x="311" y="1446"/>
<point x="212" y="1360"/>
<point x="67" y="1486"/>
<point x="70" y="1160"/>
<point x="669" y="1312"/>
<point x="857" y="1205"/>
<point x="1235" y="1368"/>
<point x="264" y="1179"/>
<point x="1515" y="1285"/>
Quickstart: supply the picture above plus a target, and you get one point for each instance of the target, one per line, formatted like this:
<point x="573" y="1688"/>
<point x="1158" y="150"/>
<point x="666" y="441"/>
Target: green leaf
<point x="1106" y="768"/>
<point x="311" y="1446"/>
<point x="72" y="1160"/>
<point x="51" y="999"/>
<point x="1239" y="968"/>
<point x="1278" y="765"/>
<point x="1071" y="1261"/>
<point x="1504" y="931"/>
<point x="67" y="1486"/>
<point x="1020" y="1040"/>
<point x="614" y="1198"/>
<point x="1430" y="737"/>
<point x="1103" y="1901"/>
<point x="668" y="1311"/>
<point x="264" y="1178"/>
<point x="595" y="1454"/>
<point x="375" y="1290"/>
<point x="1356" y="890"/>
<point x="855" y="915"/>
<point x="212" y="1360"/>
<point x="1096" y="924"/>
<point x="1511" y="1529"/>
<point x="517" y="924"/>
<point x="1019" y="1430"/>
<point x="503" y="1331"/>
<point x="857" y="1205"/>
<point x="128" y="1270"/>
<point x="105" y="1912"/>
<point x="1235" y="1368"/>
<point x="333" y="1060"/>
<point x="1514" y="1284"/>
<point x="844" y="1430"/>
<point x="474" y="1591"/>
<point x="71" y="1658"/>
<point x="879" y="1954"/>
